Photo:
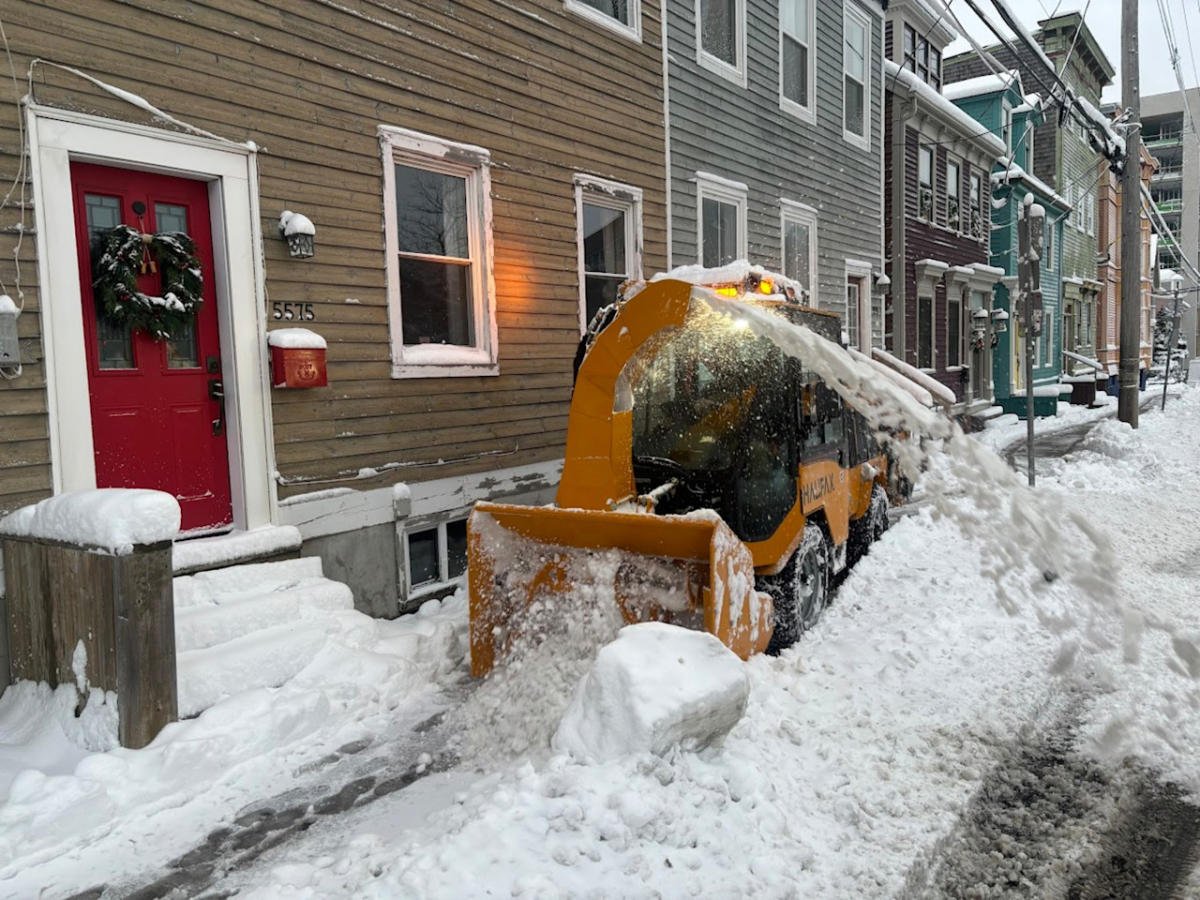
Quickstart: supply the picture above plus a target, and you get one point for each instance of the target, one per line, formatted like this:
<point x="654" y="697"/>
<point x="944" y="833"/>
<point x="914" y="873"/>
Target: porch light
<point x="979" y="322"/>
<point x="999" y="321"/>
<point x="299" y="232"/>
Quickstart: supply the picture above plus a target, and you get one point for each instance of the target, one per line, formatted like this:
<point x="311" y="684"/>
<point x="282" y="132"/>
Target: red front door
<point x="157" y="414"/>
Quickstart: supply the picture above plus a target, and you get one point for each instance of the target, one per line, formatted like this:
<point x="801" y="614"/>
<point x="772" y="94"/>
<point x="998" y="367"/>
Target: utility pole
<point x="1031" y="220"/>
<point x="1131" y="220"/>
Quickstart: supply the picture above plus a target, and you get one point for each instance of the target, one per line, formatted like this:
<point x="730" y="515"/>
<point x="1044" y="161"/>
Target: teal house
<point x="999" y="104"/>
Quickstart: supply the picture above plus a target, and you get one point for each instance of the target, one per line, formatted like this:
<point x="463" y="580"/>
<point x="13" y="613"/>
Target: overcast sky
<point x="1104" y="19"/>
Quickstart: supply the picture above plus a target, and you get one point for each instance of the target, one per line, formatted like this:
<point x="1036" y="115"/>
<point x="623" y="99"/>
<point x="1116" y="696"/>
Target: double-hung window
<point x="976" y="213"/>
<point x="953" y="195"/>
<point x="925" y="182"/>
<point x="435" y="557"/>
<point x="721" y="37"/>
<point x="610" y="228"/>
<point x="797" y="62"/>
<point x="437" y="198"/>
<point x="799" y="234"/>
<point x="621" y="16"/>
<point x="722" y="220"/>
<point x="856" y="76"/>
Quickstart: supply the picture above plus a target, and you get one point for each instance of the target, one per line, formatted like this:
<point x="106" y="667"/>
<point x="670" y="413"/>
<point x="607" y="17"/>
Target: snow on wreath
<point x="124" y="254"/>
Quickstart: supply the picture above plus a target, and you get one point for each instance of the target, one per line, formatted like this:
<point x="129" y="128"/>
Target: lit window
<point x="721" y="37"/>
<point x="799" y="227"/>
<point x="856" y="33"/>
<point x="622" y="16"/>
<point x="797" y="63"/>
<point x="722" y="220"/>
<point x="436" y="213"/>
<point x="610" y="218"/>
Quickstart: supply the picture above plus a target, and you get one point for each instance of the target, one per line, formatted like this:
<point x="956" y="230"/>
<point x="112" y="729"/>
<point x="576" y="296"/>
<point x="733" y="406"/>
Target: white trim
<point x="723" y="190"/>
<point x="792" y="211"/>
<point x="631" y="30"/>
<point x="612" y="195"/>
<point x="867" y="22"/>
<point x="56" y="137"/>
<point x="471" y="163"/>
<point x="861" y="270"/>
<point x="805" y="112"/>
<point x="737" y="72"/>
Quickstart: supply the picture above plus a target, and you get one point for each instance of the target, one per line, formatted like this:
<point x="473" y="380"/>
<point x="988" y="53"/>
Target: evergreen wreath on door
<point x="125" y="254"/>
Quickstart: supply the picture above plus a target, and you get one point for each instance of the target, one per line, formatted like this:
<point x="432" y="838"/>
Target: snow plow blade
<point x="687" y="570"/>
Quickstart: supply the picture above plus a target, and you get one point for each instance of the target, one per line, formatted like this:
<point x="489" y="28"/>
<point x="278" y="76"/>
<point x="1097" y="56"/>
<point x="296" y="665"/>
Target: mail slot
<point x="297" y="359"/>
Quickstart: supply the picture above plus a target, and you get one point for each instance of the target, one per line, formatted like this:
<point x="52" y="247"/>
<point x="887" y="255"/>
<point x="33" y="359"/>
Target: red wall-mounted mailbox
<point x="298" y="367"/>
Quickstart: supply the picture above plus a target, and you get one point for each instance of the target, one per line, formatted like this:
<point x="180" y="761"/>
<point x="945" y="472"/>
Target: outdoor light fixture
<point x="979" y="322"/>
<point x="999" y="321"/>
<point x="10" y="348"/>
<point x="299" y="232"/>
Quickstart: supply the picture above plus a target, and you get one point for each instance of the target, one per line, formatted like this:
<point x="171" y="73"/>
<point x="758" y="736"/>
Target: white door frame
<point x="56" y="138"/>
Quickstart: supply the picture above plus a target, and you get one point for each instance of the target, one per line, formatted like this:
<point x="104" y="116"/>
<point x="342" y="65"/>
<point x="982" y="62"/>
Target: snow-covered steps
<point x="256" y="626"/>
<point x="271" y="542"/>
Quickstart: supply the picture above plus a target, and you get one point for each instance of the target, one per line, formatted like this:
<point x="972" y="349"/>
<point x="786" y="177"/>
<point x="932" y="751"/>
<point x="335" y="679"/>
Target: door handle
<point x="216" y="391"/>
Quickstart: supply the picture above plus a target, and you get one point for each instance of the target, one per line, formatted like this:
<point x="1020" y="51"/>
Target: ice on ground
<point x="655" y="687"/>
<point x="112" y="519"/>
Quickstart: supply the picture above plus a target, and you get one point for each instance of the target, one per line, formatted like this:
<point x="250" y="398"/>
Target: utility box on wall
<point x="297" y="358"/>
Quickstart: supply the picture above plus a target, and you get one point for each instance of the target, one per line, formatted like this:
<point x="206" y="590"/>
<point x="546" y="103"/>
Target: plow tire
<point x="800" y="591"/>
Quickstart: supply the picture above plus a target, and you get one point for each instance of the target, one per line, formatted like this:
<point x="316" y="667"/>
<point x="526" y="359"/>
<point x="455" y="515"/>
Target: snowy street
<point x="920" y="741"/>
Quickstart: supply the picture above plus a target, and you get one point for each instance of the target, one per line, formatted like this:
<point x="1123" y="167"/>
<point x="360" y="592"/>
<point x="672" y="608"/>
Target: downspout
<point x="666" y="83"/>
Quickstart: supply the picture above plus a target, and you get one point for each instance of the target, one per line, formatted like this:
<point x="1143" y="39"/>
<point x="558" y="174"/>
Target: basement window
<point x="435" y="558"/>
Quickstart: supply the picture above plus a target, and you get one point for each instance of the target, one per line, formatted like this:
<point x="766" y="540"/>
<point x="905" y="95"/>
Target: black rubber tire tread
<point x="784" y="587"/>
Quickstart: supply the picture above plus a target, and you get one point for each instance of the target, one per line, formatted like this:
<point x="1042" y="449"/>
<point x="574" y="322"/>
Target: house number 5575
<point x="289" y="312"/>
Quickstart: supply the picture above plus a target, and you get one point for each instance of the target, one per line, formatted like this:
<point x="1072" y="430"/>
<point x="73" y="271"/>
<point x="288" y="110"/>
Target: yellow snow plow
<point x="709" y="480"/>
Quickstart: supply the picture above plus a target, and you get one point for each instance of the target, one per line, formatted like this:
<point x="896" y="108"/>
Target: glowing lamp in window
<point x="297" y="358"/>
<point x="299" y="232"/>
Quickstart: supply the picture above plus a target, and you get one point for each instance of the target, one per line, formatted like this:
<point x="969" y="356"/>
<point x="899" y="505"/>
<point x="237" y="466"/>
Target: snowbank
<point x="112" y="519"/>
<point x="655" y="687"/>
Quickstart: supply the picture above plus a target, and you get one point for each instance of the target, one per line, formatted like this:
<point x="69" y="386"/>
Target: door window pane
<point x="423" y="557"/>
<point x="852" y="289"/>
<point x="718" y="20"/>
<point x="720" y="230"/>
<point x="182" y="352"/>
<point x="114" y="340"/>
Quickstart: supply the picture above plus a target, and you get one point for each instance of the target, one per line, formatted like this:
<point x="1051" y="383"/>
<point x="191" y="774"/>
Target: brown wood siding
<point x="547" y="92"/>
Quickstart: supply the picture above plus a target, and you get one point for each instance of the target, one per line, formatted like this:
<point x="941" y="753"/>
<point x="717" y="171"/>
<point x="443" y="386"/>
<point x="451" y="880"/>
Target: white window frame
<point x="852" y="12"/>
<point x="723" y="190"/>
<point x="631" y="30"/>
<point x="400" y="145"/>
<point x="612" y="195"/>
<point x="861" y="272"/>
<point x="794" y="212"/>
<point x="444" y="580"/>
<point x="806" y="112"/>
<point x="735" y="73"/>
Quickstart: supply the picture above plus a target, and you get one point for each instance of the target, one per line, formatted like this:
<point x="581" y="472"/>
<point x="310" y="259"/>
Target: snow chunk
<point x="656" y="686"/>
<point x="112" y="519"/>
<point x="8" y="306"/>
<point x="295" y="223"/>
<point x="296" y="338"/>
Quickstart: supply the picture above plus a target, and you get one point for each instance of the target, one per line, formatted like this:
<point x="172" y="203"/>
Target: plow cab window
<point x="711" y="410"/>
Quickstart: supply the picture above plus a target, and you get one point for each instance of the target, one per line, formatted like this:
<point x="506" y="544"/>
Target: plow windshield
<point x="714" y="409"/>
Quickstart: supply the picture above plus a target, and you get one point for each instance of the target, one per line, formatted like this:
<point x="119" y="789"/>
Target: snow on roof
<point x="983" y="84"/>
<point x="967" y="125"/>
<point x="1016" y="173"/>
<point x="1032" y="102"/>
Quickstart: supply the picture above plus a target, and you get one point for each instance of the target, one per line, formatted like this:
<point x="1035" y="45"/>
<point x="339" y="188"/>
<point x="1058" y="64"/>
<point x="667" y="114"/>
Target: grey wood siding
<point x="742" y="134"/>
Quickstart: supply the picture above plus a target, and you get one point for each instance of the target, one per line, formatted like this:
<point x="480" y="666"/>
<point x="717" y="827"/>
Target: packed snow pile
<point x="655" y="687"/>
<point x="112" y="519"/>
